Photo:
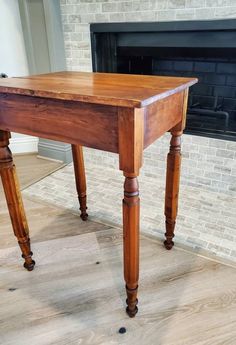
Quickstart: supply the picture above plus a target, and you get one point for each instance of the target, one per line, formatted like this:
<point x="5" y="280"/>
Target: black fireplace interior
<point x="202" y="49"/>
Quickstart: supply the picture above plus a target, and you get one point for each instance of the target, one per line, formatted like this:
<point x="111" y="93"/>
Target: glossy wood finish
<point x="172" y="186"/>
<point x="131" y="138"/>
<point x="161" y="116"/>
<point x="173" y="175"/>
<point x="68" y="121"/>
<point x="80" y="179"/>
<point x="131" y="210"/>
<point x="14" y="200"/>
<point x="101" y="88"/>
<point x="118" y="113"/>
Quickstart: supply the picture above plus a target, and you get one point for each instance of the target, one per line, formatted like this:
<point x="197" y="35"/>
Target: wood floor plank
<point x="76" y="295"/>
<point x="45" y="221"/>
<point x="39" y="168"/>
<point x="70" y="299"/>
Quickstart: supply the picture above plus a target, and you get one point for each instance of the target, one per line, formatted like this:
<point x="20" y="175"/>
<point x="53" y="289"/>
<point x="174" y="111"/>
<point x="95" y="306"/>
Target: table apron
<point x="91" y="125"/>
<point x="163" y="115"/>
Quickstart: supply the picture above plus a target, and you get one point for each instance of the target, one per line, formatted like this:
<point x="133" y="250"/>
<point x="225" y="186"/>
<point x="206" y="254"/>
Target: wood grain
<point x="80" y="179"/>
<point x="172" y="187"/>
<point x="131" y="139"/>
<point x="131" y="215"/>
<point x="14" y="200"/>
<point x="100" y="88"/>
<point x="99" y="111"/>
<point x="173" y="174"/>
<point x="72" y="122"/>
<point x="161" y="116"/>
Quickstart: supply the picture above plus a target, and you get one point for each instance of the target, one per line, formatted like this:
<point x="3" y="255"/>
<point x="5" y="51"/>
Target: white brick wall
<point x="76" y="14"/>
<point x="208" y="164"/>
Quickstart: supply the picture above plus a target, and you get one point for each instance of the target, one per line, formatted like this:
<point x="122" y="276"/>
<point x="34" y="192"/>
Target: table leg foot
<point x="169" y="243"/>
<point x="24" y="244"/>
<point x="172" y="187"/>
<point x="84" y="217"/>
<point x="14" y="200"/>
<point x="131" y="301"/>
<point x="29" y="267"/>
<point x="83" y="207"/>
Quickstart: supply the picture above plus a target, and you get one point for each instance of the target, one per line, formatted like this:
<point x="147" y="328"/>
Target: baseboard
<point x="49" y="159"/>
<point x="55" y="150"/>
<point x="24" y="144"/>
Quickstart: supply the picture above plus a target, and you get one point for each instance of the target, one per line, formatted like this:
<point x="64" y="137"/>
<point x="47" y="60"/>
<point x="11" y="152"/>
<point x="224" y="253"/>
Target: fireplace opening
<point x="206" y="50"/>
<point x="212" y="102"/>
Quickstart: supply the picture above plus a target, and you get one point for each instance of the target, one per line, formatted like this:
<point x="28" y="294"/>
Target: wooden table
<point x="111" y="112"/>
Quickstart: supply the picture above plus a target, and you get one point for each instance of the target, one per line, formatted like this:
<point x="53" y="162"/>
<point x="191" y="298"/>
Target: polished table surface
<point x="118" y="113"/>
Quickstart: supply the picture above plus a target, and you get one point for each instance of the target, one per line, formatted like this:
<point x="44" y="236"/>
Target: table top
<point x="134" y="91"/>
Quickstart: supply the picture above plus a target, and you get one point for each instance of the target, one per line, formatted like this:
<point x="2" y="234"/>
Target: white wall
<point x="13" y="61"/>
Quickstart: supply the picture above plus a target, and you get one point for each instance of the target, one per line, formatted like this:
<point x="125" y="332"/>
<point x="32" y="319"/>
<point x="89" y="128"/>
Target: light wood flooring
<point x="76" y="293"/>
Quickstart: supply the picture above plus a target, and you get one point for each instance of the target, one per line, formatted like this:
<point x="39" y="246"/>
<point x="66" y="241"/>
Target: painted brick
<point x="129" y="17"/>
<point x="225" y="12"/>
<point x="213" y="175"/>
<point x="185" y="14"/>
<point x="177" y="4"/>
<point x="231" y="80"/>
<point x="222" y="169"/>
<point x="117" y="17"/>
<point x="82" y="27"/>
<point x="126" y="6"/>
<point x="207" y="157"/>
<point x="68" y="27"/>
<point x="91" y="8"/>
<point x="166" y="15"/>
<point x="183" y="65"/>
<point x="233" y="172"/>
<point x="224" y="67"/>
<point x="218" y="3"/>
<point x="215" y="79"/>
<point x="231" y="145"/>
<point x="224" y="91"/>
<point x="67" y="9"/>
<point x="225" y="153"/>
<point x="204" y="67"/>
<point x="64" y="19"/>
<point x="195" y="3"/>
<point x="140" y="6"/>
<point x="109" y="7"/>
<point x="218" y="143"/>
<point x="80" y="9"/>
<point x="204" y="181"/>
<point x="76" y="36"/>
<point x="204" y="13"/>
<point x="74" y="19"/>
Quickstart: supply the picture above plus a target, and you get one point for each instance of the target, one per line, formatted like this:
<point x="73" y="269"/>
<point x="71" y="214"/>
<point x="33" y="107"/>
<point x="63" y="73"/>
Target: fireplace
<point x="202" y="49"/>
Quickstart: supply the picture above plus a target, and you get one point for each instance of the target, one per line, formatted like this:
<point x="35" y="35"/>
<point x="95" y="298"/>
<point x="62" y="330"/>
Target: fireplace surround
<point x="202" y="49"/>
<point x="209" y="164"/>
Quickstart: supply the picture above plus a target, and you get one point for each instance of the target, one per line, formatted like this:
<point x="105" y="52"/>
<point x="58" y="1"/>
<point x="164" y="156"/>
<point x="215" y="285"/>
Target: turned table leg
<point x="80" y="179"/>
<point x="172" y="186"/>
<point x="131" y="242"/>
<point x="14" y="200"/>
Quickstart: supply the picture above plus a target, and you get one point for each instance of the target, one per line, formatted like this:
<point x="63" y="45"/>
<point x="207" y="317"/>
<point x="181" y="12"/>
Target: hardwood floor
<point x="39" y="168"/>
<point x="76" y="293"/>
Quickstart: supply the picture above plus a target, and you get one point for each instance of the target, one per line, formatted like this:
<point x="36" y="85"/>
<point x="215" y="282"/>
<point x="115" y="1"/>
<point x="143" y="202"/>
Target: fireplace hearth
<point x="202" y="49"/>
